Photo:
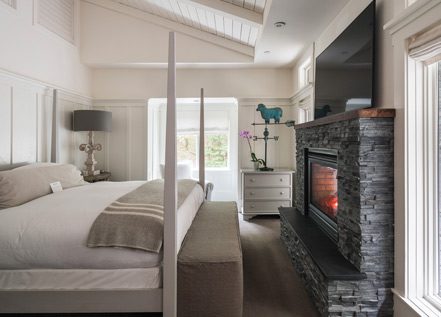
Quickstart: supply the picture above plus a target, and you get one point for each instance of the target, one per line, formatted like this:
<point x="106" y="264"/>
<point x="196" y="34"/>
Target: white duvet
<point x="51" y="232"/>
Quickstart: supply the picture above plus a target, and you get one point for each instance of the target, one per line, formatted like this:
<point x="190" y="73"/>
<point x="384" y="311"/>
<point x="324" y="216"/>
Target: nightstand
<point x="264" y="192"/>
<point x="102" y="177"/>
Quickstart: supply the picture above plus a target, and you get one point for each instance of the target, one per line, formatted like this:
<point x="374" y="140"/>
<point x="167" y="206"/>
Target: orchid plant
<point x="247" y="135"/>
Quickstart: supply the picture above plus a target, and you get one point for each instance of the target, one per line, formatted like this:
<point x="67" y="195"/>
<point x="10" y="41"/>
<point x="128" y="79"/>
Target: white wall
<point x="151" y="83"/>
<point x="122" y="90"/>
<point x="26" y="122"/>
<point x="135" y="40"/>
<point x="30" y="50"/>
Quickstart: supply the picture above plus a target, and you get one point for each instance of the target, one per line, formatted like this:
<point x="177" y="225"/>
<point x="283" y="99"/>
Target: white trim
<point x="265" y="100"/>
<point x="202" y="142"/>
<point x="422" y="188"/>
<point x="178" y="27"/>
<point x="410" y="14"/>
<point x="170" y="192"/>
<point x="66" y="94"/>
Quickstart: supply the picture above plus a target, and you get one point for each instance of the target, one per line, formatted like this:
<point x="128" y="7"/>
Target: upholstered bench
<point x="210" y="274"/>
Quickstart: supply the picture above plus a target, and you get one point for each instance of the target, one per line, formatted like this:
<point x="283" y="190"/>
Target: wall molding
<point x="409" y="15"/>
<point x="265" y="100"/>
<point x="65" y="93"/>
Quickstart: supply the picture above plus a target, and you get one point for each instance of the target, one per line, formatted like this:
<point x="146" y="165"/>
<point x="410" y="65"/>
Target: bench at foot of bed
<point x="210" y="274"/>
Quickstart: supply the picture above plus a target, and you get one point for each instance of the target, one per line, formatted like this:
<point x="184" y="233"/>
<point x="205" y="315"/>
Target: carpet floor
<point x="272" y="287"/>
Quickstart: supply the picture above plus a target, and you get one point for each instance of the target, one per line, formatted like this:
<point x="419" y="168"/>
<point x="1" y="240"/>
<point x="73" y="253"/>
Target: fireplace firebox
<point x="322" y="193"/>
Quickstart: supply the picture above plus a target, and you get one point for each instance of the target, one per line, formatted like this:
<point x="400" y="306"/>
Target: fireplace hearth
<point x="340" y="234"/>
<point x="322" y="189"/>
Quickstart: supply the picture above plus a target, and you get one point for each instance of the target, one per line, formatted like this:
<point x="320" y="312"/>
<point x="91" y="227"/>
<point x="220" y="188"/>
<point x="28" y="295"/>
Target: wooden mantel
<point x="344" y="116"/>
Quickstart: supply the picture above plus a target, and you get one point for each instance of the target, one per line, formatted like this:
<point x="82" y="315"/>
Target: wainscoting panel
<point x="5" y="124"/>
<point x="24" y="125"/>
<point x="26" y="121"/>
<point x="125" y="148"/>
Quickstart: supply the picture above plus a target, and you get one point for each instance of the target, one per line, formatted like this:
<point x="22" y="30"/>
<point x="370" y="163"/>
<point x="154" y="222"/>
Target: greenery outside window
<point x="216" y="149"/>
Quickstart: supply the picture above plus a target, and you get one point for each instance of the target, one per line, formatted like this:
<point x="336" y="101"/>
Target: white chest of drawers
<point x="264" y="192"/>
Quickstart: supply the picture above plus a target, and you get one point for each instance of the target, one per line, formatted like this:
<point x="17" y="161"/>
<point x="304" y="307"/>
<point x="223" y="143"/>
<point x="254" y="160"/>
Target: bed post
<point x="202" y="142"/>
<point x="170" y="192"/>
<point x="54" y="134"/>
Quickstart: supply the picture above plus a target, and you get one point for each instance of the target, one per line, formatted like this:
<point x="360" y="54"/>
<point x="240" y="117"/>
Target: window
<point x="216" y="149"/>
<point x="423" y="176"/>
<point x="221" y="141"/>
<point x="305" y="73"/>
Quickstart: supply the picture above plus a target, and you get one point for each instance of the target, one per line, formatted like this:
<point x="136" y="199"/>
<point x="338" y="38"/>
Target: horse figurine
<point x="270" y="113"/>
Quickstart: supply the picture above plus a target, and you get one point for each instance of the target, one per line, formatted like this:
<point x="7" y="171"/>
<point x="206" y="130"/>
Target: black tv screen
<point x="344" y="77"/>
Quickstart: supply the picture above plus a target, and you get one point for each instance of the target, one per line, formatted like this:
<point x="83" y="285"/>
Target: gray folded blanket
<point x="136" y="220"/>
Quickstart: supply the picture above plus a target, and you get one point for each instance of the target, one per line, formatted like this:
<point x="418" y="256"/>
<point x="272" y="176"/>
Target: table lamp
<point x="91" y="120"/>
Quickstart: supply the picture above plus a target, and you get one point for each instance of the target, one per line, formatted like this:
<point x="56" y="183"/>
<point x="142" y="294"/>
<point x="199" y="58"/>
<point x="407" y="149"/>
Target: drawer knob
<point x="252" y="180"/>
<point x="281" y="179"/>
<point x="251" y="193"/>
<point x="281" y="193"/>
<point x="252" y="206"/>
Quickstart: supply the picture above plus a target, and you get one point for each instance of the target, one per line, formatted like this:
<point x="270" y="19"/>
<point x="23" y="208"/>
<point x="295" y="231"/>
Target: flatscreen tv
<point x="344" y="78"/>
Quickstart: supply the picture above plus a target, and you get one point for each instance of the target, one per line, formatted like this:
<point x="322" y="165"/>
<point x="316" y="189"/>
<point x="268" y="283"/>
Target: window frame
<point x="422" y="211"/>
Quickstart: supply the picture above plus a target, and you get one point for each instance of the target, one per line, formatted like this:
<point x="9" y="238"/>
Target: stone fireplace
<point x="340" y="233"/>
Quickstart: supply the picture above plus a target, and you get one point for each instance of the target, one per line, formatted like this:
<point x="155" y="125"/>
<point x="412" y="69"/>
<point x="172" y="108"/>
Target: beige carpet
<point x="272" y="287"/>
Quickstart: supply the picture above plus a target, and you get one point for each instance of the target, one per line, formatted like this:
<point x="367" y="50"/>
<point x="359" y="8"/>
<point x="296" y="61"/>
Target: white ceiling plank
<point x="228" y="24"/>
<point x="211" y="22"/>
<point x="249" y="4"/>
<point x="253" y="37"/>
<point x="237" y="30"/>
<point x="178" y="27"/>
<point x="185" y="13"/>
<point x="171" y="11"/>
<point x="231" y="11"/>
<point x="219" y="21"/>
<point x="194" y="17"/>
<point x="162" y="5"/>
<point x="202" y="19"/>
<point x="259" y="5"/>
<point x="245" y="34"/>
<point x="238" y="3"/>
<point x="177" y="11"/>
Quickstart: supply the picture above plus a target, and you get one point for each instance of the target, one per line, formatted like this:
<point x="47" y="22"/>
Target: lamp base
<point x="90" y="163"/>
<point x="93" y="173"/>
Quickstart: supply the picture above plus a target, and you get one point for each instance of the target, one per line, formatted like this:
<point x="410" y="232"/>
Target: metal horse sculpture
<point x="270" y="113"/>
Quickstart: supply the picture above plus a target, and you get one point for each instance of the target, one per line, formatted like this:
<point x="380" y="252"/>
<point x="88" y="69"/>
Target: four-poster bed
<point x="162" y="296"/>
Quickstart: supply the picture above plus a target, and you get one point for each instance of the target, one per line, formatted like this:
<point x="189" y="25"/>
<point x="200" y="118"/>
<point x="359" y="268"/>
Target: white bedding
<point x="50" y="232"/>
<point x="82" y="279"/>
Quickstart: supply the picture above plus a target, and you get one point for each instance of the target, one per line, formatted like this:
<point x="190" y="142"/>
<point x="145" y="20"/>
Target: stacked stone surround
<point x="336" y="297"/>
<point x="365" y="215"/>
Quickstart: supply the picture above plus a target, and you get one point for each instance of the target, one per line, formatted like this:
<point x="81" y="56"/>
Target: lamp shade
<point x="92" y="120"/>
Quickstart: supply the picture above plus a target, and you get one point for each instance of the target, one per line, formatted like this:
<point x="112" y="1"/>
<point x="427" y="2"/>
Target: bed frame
<point x="114" y="300"/>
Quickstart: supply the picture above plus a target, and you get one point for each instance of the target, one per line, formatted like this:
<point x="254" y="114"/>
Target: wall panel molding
<point x="125" y="148"/>
<point x="26" y="119"/>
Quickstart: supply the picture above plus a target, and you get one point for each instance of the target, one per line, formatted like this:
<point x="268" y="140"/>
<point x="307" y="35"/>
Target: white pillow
<point x="24" y="184"/>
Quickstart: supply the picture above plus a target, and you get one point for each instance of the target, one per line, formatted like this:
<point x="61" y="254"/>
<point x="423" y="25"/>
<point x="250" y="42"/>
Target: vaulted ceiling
<point x="241" y="26"/>
<point x="238" y="20"/>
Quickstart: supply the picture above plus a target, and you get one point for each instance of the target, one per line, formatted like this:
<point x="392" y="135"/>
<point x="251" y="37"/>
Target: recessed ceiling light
<point x="279" y="24"/>
<point x="267" y="52"/>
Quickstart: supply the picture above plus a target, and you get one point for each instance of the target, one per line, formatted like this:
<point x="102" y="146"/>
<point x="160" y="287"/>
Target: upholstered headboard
<point x="8" y="167"/>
